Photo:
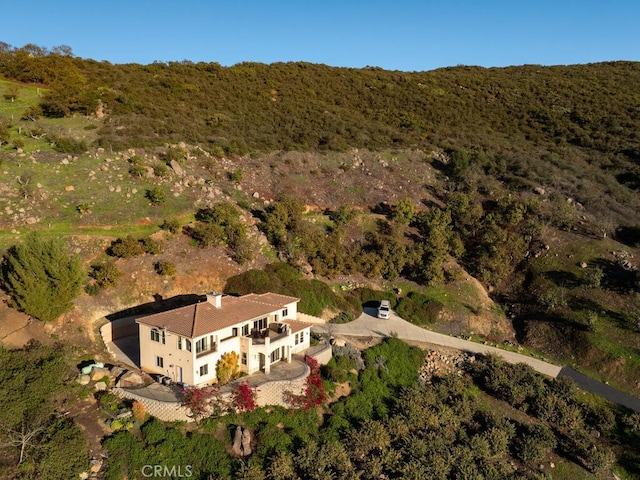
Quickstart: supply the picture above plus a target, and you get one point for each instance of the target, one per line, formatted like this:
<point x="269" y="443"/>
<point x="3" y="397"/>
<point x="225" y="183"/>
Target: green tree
<point x="41" y="277"/>
<point x="343" y="215"/>
<point x="281" y="217"/>
<point x="435" y="228"/>
<point x="32" y="437"/>
<point x="403" y="211"/>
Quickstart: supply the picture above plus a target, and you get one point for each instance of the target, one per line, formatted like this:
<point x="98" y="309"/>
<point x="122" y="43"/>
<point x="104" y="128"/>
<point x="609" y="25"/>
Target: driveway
<point x="368" y="325"/>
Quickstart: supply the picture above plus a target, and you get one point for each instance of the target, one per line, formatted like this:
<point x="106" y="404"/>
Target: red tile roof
<point x="203" y="317"/>
<point x="296" y="326"/>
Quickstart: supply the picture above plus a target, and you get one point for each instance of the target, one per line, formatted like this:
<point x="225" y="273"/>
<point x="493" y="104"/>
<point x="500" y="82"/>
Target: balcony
<point x="275" y="332"/>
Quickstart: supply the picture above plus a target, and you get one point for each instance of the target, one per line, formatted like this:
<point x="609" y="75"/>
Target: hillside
<point x="498" y="204"/>
<point x="517" y="174"/>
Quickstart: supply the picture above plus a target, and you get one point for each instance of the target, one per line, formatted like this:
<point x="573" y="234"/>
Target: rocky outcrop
<point x="440" y="364"/>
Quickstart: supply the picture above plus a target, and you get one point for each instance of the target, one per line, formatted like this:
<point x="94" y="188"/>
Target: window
<point x="245" y="330"/>
<point x="285" y="312"/>
<point x="204" y="369"/>
<point x="234" y="332"/>
<point x="201" y="345"/>
<point x="260" y="324"/>
<point x="301" y="337"/>
<point x="187" y="344"/>
<point x="275" y="355"/>
<point x="296" y="339"/>
<point x="244" y="358"/>
<point x="179" y="343"/>
<point x="160" y="362"/>
<point x="157" y="334"/>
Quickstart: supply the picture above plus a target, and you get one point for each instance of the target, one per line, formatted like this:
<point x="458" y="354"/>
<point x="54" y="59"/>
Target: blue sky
<point x="395" y="35"/>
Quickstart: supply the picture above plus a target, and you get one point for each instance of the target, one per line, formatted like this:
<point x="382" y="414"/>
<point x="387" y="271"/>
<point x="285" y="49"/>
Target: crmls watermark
<point x="165" y="471"/>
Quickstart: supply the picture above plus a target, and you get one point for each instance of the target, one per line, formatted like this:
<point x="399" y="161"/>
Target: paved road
<point x="602" y="389"/>
<point x="367" y="325"/>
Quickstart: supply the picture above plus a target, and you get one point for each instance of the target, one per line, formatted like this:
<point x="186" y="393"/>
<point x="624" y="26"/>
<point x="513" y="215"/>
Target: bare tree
<point x="26" y="437"/>
<point x="24" y="180"/>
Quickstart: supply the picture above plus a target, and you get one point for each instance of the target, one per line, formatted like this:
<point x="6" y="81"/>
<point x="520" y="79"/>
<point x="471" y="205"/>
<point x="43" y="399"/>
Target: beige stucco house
<point x="186" y="343"/>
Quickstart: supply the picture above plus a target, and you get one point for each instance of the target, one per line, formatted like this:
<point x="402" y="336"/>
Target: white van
<point x="383" y="309"/>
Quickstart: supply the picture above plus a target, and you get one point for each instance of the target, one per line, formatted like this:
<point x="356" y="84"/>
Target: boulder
<point x="246" y="442"/>
<point x="236" y="449"/>
<point x="175" y="166"/>
<point x="131" y="379"/>
<point x="96" y="465"/>
<point x="98" y="372"/>
<point x="100" y="386"/>
<point x="83" y="379"/>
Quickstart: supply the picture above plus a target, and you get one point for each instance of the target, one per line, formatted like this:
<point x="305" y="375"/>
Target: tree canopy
<point x="42" y="277"/>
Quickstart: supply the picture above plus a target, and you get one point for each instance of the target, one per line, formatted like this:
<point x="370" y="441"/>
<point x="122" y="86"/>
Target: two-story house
<point x="187" y="343"/>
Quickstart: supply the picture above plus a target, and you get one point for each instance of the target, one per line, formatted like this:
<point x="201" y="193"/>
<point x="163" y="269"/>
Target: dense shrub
<point x="105" y="274"/>
<point x="156" y="195"/>
<point x="221" y="225"/>
<point x="126" y="247"/>
<point x="165" y="267"/>
<point x="69" y="145"/>
<point x="314" y="295"/>
<point x="419" y="308"/>
<point x="161" y="170"/>
<point x="171" y="224"/>
<point x="131" y="246"/>
<point x="151" y="246"/>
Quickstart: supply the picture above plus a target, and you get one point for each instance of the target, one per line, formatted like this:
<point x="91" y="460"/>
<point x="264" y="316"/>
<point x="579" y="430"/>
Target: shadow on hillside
<point x="158" y="305"/>
<point x="585" y="304"/>
<point x="630" y="236"/>
<point x="617" y="276"/>
<point x="563" y="278"/>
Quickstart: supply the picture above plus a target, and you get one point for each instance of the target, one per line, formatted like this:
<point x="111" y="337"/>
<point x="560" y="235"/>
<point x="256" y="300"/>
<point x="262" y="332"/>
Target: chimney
<point x="215" y="299"/>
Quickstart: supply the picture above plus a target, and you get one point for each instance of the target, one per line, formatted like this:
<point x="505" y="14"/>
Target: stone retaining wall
<point x="270" y="393"/>
<point x="165" y="411"/>
<point x="321" y="353"/>
<point x="273" y="393"/>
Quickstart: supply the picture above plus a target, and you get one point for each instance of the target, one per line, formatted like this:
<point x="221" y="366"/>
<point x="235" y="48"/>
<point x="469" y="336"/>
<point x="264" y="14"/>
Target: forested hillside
<point x="526" y="176"/>
<point x="525" y="125"/>
<point x="342" y="186"/>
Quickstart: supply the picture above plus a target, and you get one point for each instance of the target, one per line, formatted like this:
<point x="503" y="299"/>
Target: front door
<point x="179" y="374"/>
<point x="261" y="356"/>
